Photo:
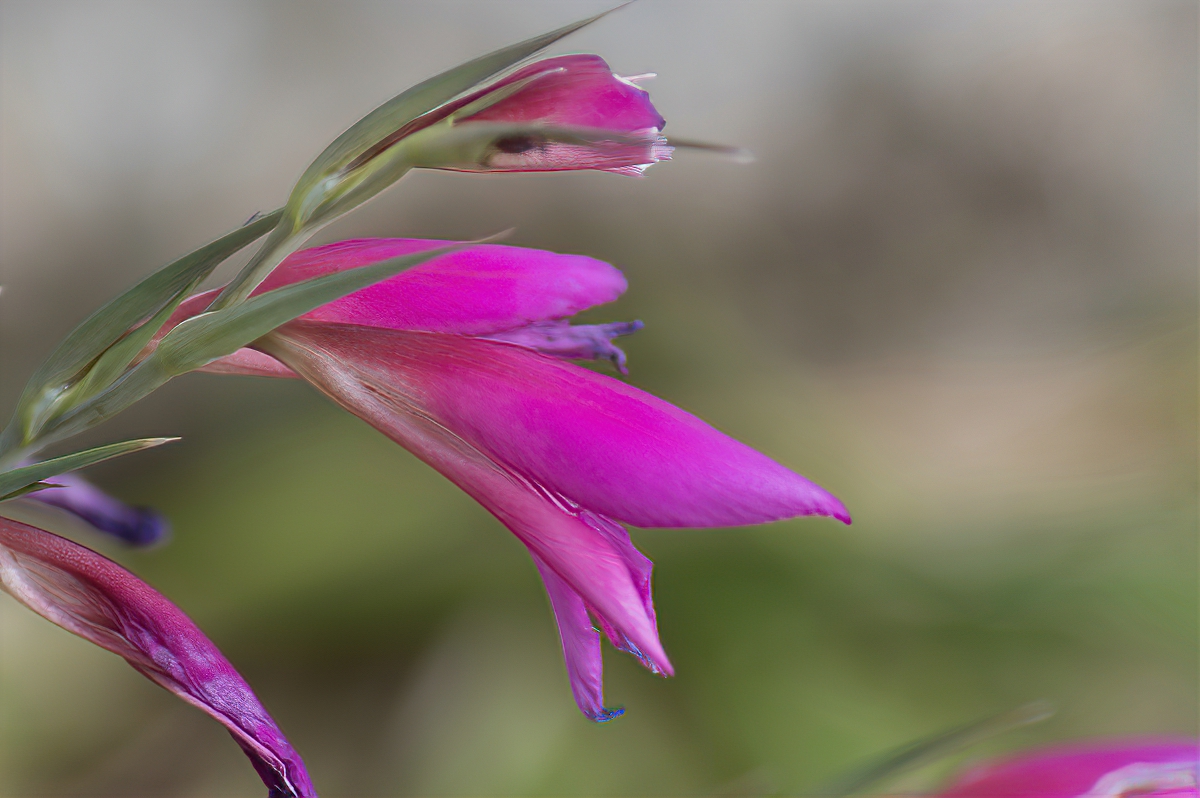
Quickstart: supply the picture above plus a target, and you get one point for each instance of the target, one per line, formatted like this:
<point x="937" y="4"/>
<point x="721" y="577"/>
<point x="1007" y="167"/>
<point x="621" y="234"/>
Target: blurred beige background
<point x="958" y="287"/>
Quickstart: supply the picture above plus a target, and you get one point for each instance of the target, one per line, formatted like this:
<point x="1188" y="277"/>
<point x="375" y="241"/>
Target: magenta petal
<point x="606" y="445"/>
<point x="1153" y="768"/>
<point x="477" y="291"/>
<point x="580" y="644"/>
<point x="361" y="369"/>
<point x="573" y="90"/>
<point x="100" y="601"/>
<point x="570" y="91"/>
<point x="137" y="526"/>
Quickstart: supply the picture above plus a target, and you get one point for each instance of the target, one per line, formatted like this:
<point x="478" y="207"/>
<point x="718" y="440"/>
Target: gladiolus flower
<point x="135" y="526"/>
<point x="562" y="113"/>
<point x="1146" y="768"/>
<point x="93" y="597"/>
<point x="457" y="361"/>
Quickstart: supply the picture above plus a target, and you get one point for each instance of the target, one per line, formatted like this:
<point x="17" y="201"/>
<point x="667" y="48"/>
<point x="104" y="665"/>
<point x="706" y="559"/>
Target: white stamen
<point x="632" y="80"/>
<point x="1144" y="777"/>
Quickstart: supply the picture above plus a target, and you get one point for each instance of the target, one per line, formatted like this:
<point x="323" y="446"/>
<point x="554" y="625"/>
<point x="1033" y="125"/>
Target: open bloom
<point x="618" y="129"/>
<point x="93" y="597"/>
<point x="456" y="360"/>
<point x="1147" y="768"/>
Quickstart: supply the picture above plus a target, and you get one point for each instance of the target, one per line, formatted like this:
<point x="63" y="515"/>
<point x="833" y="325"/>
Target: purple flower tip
<point x="606" y="715"/>
<point x="135" y="526"/>
<point x="148" y="526"/>
<point x="562" y="339"/>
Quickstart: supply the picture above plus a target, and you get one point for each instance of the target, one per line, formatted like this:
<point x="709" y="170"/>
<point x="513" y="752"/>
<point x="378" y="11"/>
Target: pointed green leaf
<point x="25" y="491"/>
<point x="117" y="357"/>
<point x="103" y="327"/>
<point x="308" y="206"/>
<point x="109" y="324"/>
<point x="931" y="749"/>
<point x="18" y="480"/>
<point x="214" y="334"/>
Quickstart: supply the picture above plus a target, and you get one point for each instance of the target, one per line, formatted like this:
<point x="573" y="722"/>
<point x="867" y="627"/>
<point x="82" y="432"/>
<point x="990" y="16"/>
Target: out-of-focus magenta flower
<point x="136" y="526"/>
<point x="566" y="92"/>
<point x="100" y="601"/>
<point x="450" y="360"/>
<point x="1146" y="768"/>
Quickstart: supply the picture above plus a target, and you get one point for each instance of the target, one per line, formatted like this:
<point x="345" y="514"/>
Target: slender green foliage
<point x="19" y="481"/>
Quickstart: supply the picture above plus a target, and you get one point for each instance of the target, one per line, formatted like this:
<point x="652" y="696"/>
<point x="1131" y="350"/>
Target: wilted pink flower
<point x="450" y="360"/>
<point x="1146" y="768"/>
<point x="100" y="601"/>
<point x="570" y="91"/>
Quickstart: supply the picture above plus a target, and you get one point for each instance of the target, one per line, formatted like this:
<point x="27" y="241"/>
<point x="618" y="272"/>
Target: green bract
<point x="110" y="362"/>
<point x="204" y="338"/>
<point x="20" y="481"/>
<point x="97" y="351"/>
<point x="365" y="160"/>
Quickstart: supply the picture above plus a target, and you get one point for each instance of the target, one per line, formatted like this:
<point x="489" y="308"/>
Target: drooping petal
<point x="580" y="644"/>
<point x="137" y="526"/>
<point x="1151" y="768"/>
<point x="592" y="556"/>
<point x="609" y="447"/>
<point x="100" y="601"/>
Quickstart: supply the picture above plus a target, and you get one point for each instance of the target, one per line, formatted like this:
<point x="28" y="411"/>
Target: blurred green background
<point x="958" y="287"/>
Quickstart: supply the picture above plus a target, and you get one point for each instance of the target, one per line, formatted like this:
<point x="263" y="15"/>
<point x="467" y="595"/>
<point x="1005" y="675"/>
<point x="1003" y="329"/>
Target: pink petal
<point x="250" y="363"/>
<point x="355" y="367"/>
<point x="571" y="91"/>
<point x="100" y="601"/>
<point x="1143" y="767"/>
<point x="563" y="91"/>
<point x="609" y="447"/>
<point x="580" y="643"/>
<point x="488" y="289"/>
<point x="575" y="91"/>
<point x="479" y="291"/>
<point x="566" y="91"/>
